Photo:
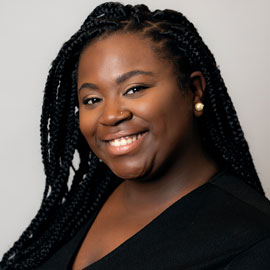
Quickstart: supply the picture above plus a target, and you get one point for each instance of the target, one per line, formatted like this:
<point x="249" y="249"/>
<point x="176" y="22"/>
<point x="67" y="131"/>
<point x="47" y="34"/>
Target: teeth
<point x="125" y="140"/>
<point x="117" y="143"/>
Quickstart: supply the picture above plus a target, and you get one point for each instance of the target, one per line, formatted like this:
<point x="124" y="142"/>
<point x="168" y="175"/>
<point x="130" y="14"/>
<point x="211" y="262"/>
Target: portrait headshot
<point x="135" y="135"/>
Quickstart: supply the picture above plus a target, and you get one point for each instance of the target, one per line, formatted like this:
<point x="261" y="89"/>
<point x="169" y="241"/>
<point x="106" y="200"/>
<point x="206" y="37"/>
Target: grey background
<point x="32" y="31"/>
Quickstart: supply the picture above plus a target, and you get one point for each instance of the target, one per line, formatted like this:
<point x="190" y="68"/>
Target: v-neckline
<point x="141" y="231"/>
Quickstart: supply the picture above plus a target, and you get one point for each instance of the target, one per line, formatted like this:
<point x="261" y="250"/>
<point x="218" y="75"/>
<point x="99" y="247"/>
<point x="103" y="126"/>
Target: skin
<point x="166" y="163"/>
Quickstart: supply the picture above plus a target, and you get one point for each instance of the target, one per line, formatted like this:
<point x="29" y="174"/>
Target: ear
<point x="197" y="86"/>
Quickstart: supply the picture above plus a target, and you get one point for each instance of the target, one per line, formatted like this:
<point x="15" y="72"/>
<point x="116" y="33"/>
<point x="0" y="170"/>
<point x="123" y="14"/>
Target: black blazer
<point x="223" y="224"/>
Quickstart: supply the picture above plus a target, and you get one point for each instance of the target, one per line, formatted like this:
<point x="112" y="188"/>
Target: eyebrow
<point x="120" y="79"/>
<point x="132" y="73"/>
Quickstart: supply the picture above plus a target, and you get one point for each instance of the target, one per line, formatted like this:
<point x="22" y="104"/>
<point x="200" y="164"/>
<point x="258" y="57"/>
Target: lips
<point x="121" y="134"/>
<point x="125" y="140"/>
<point x="120" y="145"/>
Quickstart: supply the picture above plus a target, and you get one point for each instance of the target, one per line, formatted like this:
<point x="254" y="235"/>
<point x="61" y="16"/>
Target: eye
<point x="91" y="101"/>
<point x="135" y="89"/>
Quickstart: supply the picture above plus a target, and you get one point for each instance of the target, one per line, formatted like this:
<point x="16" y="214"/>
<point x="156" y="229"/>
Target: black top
<point x="223" y="224"/>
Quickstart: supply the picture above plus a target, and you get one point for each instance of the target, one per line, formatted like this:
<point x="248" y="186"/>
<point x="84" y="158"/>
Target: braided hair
<point x="65" y="207"/>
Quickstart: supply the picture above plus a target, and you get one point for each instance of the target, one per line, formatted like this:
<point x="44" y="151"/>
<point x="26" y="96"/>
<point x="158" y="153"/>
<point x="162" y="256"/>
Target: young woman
<point x="165" y="178"/>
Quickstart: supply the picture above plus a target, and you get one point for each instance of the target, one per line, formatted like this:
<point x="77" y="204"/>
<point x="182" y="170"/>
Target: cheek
<point x="170" y="115"/>
<point x="179" y="122"/>
<point x="165" y="109"/>
<point x="87" y="126"/>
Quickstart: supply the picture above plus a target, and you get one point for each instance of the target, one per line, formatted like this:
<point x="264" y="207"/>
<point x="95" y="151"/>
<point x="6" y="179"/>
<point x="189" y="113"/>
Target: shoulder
<point x="227" y="223"/>
<point x="227" y="214"/>
<point x="253" y="258"/>
<point x="234" y="212"/>
<point x="240" y="192"/>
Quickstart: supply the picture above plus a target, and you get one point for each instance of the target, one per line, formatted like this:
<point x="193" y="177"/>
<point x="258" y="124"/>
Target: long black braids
<point x="64" y="209"/>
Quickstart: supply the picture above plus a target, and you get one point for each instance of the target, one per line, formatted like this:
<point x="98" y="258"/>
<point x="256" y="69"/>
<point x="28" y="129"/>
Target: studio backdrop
<point x="32" y="32"/>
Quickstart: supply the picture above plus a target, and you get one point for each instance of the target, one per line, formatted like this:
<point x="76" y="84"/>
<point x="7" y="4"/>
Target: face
<point x="132" y="112"/>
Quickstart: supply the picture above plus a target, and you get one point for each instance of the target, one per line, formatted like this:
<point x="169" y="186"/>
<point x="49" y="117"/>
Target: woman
<point x="165" y="178"/>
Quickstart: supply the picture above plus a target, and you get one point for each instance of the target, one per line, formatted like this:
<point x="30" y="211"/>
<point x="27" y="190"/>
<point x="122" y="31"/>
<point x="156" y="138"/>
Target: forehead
<point x="123" y="51"/>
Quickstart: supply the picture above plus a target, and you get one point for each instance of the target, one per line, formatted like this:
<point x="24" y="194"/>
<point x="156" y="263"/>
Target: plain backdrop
<point x="31" y="33"/>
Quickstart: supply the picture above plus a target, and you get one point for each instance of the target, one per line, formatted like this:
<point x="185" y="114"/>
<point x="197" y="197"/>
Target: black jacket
<point x="223" y="224"/>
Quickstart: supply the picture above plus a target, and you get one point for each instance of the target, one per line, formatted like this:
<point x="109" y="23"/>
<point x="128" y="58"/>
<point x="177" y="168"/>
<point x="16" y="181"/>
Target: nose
<point x="113" y="114"/>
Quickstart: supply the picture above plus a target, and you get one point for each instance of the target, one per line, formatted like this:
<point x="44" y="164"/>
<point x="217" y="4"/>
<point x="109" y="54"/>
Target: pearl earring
<point x="199" y="107"/>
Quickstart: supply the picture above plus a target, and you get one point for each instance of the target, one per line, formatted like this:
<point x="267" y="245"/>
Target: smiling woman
<point x="165" y="179"/>
<point x="128" y="115"/>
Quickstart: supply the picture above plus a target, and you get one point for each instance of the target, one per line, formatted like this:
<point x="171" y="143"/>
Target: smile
<point x="125" y="140"/>
<point x="125" y="144"/>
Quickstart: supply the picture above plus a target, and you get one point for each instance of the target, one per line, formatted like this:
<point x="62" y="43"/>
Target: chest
<point x="106" y="234"/>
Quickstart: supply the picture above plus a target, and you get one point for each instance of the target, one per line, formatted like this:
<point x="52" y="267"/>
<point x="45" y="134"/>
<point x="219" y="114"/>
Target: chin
<point x="131" y="172"/>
